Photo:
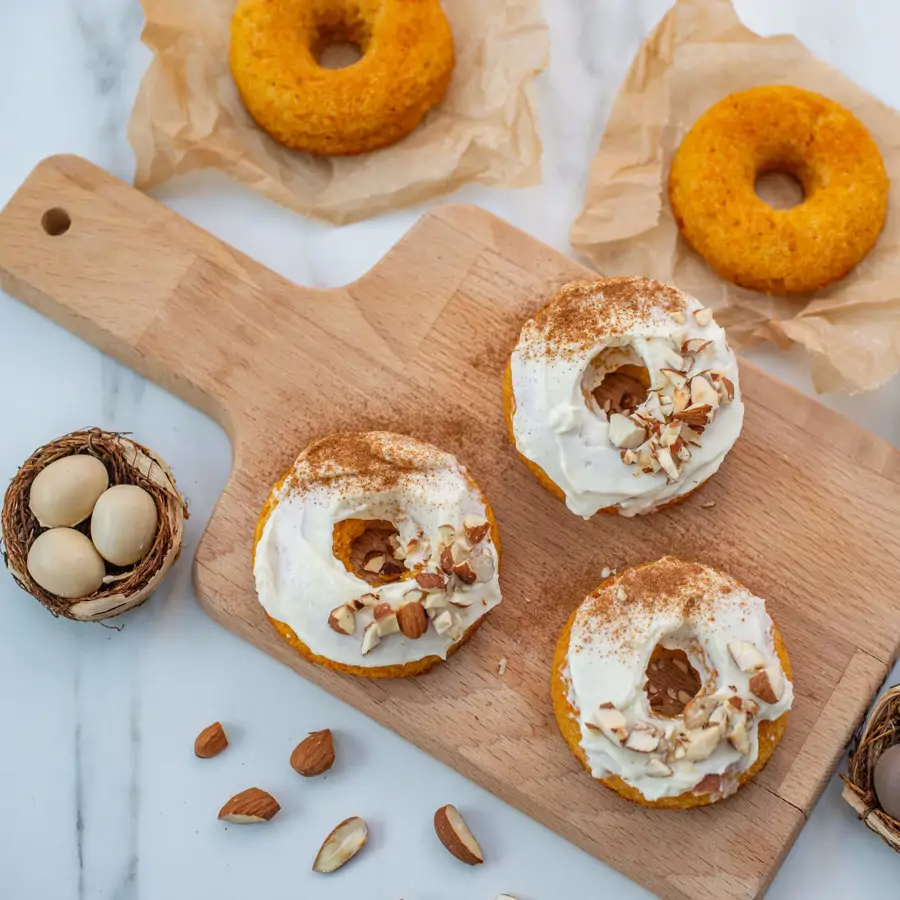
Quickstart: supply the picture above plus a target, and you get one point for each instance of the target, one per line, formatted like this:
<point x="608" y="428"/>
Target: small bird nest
<point x="880" y="731"/>
<point x="127" y="462"/>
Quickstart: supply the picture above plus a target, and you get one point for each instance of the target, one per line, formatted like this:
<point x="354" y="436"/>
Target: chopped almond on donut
<point x="694" y="415"/>
<point x="643" y="738"/>
<point x="703" y="317"/>
<point x="703" y="393"/>
<point x="624" y="433"/>
<point x="431" y="581"/>
<point x="476" y="528"/>
<point x="343" y="619"/>
<point x="768" y="684"/>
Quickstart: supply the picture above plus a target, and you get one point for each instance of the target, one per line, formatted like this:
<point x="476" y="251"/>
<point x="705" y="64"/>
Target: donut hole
<point x="780" y="190"/>
<point x="366" y="549"/>
<point x="615" y="380"/>
<point x="340" y="41"/>
<point x="672" y="681"/>
<point x="339" y="55"/>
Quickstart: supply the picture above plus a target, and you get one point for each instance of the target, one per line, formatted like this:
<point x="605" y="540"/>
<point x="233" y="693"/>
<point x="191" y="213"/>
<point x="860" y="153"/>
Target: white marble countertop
<point x="101" y="796"/>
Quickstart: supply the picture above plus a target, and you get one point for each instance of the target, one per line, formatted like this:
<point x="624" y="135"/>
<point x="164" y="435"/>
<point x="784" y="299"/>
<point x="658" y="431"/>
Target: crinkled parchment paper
<point x="699" y="53"/>
<point x="188" y="116"/>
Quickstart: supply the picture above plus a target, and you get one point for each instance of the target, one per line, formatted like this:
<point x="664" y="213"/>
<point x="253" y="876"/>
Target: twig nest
<point x="874" y="770"/>
<point x="91" y="523"/>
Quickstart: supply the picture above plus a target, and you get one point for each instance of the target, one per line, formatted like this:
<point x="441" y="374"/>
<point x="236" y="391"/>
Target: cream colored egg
<point x="64" y="493"/>
<point x="64" y="562"/>
<point x="123" y="524"/>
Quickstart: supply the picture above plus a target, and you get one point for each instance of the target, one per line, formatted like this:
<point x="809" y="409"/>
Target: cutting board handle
<point x="138" y="281"/>
<point x="172" y="302"/>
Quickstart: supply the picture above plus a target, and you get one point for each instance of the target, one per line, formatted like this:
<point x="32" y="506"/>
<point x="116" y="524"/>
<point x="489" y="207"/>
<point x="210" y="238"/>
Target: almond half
<point x="456" y="836"/>
<point x="344" y="842"/>
<point x="314" y="754"/>
<point x="248" y="807"/>
<point x="211" y="741"/>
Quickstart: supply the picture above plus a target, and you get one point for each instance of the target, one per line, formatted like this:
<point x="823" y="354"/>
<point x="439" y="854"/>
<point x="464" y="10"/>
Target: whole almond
<point x="314" y="755"/>
<point x="413" y="620"/>
<point x="211" y="741"/>
<point x="248" y="807"/>
<point x="456" y="836"/>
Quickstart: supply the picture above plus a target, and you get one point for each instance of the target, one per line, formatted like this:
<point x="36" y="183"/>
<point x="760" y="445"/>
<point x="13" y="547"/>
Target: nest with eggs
<point x="880" y="731"/>
<point x="126" y="462"/>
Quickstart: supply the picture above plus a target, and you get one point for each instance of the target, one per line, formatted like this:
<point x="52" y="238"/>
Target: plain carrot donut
<point x="406" y="64"/>
<point x="800" y="133"/>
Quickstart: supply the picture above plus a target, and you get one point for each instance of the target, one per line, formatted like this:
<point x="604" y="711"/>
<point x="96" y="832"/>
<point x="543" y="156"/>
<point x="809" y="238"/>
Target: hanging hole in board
<point x="56" y="221"/>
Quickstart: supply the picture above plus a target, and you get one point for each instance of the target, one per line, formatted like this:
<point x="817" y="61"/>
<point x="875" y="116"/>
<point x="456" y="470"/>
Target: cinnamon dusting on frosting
<point x="364" y="461"/>
<point x="583" y="311"/>
<point x="687" y="590"/>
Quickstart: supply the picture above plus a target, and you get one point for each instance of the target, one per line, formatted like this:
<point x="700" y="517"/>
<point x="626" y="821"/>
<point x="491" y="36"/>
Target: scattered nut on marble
<point x="314" y="754"/>
<point x="456" y="836"/>
<point x="211" y="741"/>
<point x="249" y="807"/>
<point x="344" y="842"/>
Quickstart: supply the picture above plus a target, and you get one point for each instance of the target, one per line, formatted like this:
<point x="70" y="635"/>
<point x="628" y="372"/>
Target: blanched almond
<point x="624" y="433"/>
<point x="700" y="743"/>
<point x="371" y="638"/>
<point x="386" y="619"/>
<point x="656" y="768"/>
<point x="643" y="738"/>
<point x="443" y="622"/>
<point x="746" y="656"/>
<point x="703" y="393"/>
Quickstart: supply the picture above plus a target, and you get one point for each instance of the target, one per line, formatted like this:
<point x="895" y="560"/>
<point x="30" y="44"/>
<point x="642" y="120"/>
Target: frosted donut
<point x="603" y="694"/>
<point x="406" y="64"/>
<point x="622" y="396"/>
<point x="778" y="128"/>
<point x="376" y="555"/>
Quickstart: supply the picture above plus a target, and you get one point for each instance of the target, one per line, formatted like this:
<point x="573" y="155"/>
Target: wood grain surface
<point x="807" y="506"/>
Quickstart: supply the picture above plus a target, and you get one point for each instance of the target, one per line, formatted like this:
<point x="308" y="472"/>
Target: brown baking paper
<point x="699" y="53"/>
<point x="188" y="115"/>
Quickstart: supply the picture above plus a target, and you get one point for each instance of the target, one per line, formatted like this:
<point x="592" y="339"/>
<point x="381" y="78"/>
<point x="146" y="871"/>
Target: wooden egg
<point x="64" y="562"/>
<point x="64" y="493"/>
<point x="887" y="781"/>
<point x="123" y="524"/>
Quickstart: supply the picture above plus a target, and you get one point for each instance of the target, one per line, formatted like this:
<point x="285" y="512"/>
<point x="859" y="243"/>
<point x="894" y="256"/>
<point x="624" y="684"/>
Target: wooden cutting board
<point x="807" y="506"/>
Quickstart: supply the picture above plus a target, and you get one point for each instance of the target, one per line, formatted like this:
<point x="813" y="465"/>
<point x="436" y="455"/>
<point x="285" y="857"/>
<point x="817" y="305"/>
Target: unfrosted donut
<point x="779" y="129"/>
<point x="376" y="555"/>
<point x="722" y="736"/>
<point x="405" y="68"/>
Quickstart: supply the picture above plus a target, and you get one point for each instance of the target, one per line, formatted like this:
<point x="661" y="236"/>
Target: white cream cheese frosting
<point x="589" y="330"/>
<point x="435" y="507"/>
<point x="728" y="637"/>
